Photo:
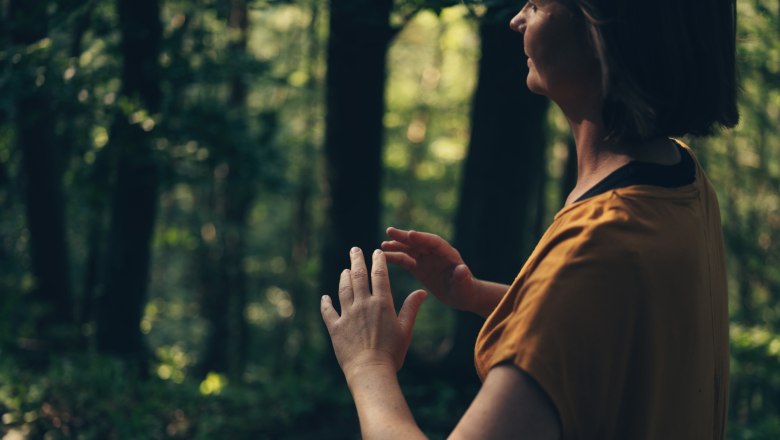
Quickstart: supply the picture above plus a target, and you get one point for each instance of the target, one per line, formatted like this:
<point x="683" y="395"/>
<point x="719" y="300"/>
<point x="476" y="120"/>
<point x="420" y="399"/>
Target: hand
<point x="368" y="332"/>
<point x="436" y="264"/>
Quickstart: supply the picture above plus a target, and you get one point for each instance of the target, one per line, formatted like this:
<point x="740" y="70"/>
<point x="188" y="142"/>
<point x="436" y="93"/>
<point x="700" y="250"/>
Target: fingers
<point x="420" y="241"/>
<point x="346" y="295"/>
<point x="358" y="275"/>
<point x="413" y="238"/>
<point x="395" y="246"/>
<point x="399" y="254"/>
<point x="380" y="282"/>
<point x="409" y="310"/>
<point x="397" y="234"/>
<point x="401" y="259"/>
<point x="426" y="240"/>
<point x="329" y="314"/>
<point x="353" y="284"/>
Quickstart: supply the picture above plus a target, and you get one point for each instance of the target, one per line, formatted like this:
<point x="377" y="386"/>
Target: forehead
<point x="552" y="3"/>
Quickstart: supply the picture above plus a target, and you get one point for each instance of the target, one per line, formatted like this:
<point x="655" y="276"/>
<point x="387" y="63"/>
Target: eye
<point x="531" y="5"/>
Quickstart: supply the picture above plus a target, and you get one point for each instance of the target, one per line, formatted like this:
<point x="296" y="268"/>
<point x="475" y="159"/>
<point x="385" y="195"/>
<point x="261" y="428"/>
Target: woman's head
<point x="667" y="66"/>
<point x="561" y="62"/>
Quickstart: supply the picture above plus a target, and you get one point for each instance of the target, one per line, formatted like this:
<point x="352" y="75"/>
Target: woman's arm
<point x="381" y="407"/>
<point x="488" y="296"/>
<point x="510" y="405"/>
<point x="371" y="342"/>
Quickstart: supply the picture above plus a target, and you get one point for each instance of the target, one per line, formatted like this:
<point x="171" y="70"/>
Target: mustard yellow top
<point x="620" y="314"/>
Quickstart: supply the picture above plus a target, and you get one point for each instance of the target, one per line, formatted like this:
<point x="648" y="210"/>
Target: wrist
<point x="368" y="367"/>
<point x="475" y="299"/>
<point x="486" y="297"/>
<point x="381" y="406"/>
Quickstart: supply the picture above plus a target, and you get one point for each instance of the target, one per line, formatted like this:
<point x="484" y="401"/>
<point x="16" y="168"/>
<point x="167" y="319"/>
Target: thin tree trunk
<point x="134" y="200"/>
<point x="495" y="218"/>
<point x="72" y="136"/>
<point x="5" y="207"/>
<point x="234" y="192"/>
<point x="304" y="322"/>
<point x="213" y="307"/>
<point x="43" y="166"/>
<point x="360" y="33"/>
<point x="735" y="232"/>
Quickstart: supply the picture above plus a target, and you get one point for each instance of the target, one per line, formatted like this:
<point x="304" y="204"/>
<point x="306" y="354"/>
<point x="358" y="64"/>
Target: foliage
<point x="291" y="388"/>
<point x="98" y="398"/>
<point x="91" y="397"/>
<point x="755" y="376"/>
<point x="744" y="165"/>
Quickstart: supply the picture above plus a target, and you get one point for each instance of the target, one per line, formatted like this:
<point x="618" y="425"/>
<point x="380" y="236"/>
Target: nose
<point x="517" y="23"/>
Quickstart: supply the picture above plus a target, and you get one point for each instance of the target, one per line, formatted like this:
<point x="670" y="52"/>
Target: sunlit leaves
<point x="429" y="88"/>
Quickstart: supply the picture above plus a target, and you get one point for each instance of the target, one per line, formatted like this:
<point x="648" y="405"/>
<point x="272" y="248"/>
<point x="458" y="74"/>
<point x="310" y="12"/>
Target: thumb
<point x="409" y="310"/>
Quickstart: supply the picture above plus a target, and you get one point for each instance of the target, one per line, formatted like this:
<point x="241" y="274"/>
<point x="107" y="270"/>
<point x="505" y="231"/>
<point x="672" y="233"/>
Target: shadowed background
<point x="181" y="180"/>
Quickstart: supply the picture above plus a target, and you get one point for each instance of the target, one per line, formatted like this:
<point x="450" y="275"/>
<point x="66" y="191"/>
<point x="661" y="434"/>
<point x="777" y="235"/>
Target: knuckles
<point x="379" y="271"/>
<point x="359" y="273"/>
<point x="384" y="306"/>
<point x="344" y="289"/>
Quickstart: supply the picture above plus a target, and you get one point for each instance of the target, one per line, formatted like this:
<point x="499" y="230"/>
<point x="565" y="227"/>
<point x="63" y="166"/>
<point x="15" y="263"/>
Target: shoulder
<point x="594" y="228"/>
<point x="624" y="221"/>
<point x="567" y="314"/>
<point x="595" y="254"/>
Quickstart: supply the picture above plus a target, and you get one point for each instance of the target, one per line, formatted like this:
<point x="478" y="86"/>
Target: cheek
<point x="559" y="55"/>
<point x="542" y="46"/>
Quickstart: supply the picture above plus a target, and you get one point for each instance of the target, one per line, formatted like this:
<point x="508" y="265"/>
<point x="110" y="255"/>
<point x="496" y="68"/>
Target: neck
<point x="597" y="157"/>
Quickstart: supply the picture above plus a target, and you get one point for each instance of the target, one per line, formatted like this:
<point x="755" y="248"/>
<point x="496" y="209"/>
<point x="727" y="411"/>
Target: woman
<point x="617" y="325"/>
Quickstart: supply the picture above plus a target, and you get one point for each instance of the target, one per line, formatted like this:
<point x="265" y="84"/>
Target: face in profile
<point x="562" y="65"/>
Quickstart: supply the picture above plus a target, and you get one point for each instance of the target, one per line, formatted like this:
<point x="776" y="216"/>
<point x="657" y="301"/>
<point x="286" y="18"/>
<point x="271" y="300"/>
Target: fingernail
<point x="354" y="250"/>
<point x="323" y="297"/>
<point x="377" y="252"/>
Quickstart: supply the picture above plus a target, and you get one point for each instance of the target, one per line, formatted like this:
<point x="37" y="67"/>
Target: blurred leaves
<point x="289" y="389"/>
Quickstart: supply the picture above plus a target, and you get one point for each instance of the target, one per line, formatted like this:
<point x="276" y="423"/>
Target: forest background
<point x="180" y="181"/>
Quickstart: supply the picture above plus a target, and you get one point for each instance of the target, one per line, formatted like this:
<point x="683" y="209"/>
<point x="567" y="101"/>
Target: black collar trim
<point x="645" y="173"/>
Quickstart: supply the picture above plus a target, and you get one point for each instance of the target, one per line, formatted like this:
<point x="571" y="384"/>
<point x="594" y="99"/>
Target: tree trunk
<point x="134" y="199"/>
<point x="360" y="33"/>
<point x="75" y="119"/>
<point x="503" y="171"/>
<point x="305" y="322"/>
<point x="234" y="192"/>
<point x="224" y="283"/>
<point x="42" y="168"/>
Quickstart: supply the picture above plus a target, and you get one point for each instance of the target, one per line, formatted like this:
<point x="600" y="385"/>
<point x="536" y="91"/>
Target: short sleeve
<point x="573" y="324"/>
<point x="620" y="315"/>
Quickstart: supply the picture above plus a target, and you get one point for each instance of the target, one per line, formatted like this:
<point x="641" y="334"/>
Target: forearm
<point x="381" y="407"/>
<point x="487" y="297"/>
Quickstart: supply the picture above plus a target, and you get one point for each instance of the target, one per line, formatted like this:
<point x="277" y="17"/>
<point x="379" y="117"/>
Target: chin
<point x="534" y="86"/>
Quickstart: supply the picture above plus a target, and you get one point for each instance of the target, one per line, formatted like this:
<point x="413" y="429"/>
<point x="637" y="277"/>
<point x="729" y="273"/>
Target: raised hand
<point x="440" y="268"/>
<point x="436" y="264"/>
<point x="368" y="332"/>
